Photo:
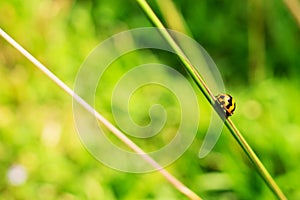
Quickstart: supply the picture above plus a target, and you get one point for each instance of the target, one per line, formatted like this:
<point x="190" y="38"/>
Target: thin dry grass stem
<point x="256" y="41"/>
<point x="173" y="17"/>
<point x="175" y="182"/>
<point x="294" y="8"/>
<point x="210" y="97"/>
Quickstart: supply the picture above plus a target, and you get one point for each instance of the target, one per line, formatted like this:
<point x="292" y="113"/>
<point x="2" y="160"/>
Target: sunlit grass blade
<point x="172" y="180"/>
<point x="294" y="8"/>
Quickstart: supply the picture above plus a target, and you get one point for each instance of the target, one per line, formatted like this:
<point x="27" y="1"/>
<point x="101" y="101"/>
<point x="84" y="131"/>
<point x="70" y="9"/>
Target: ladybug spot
<point x="229" y="104"/>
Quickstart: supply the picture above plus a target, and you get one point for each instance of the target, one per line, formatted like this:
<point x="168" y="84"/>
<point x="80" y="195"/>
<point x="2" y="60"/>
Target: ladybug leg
<point x="221" y="110"/>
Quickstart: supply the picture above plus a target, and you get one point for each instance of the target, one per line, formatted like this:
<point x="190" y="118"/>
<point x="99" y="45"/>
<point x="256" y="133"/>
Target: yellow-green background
<point x="256" y="46"/>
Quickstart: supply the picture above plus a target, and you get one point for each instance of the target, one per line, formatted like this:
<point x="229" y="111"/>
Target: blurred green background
<point x="255" y="45"/>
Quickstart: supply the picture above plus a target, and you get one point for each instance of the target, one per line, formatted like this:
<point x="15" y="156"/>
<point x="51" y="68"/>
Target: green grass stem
<point x="210" y="97"/>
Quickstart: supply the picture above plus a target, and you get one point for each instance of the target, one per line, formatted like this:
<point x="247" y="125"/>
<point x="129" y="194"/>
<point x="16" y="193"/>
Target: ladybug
<point x="227" y="103"/>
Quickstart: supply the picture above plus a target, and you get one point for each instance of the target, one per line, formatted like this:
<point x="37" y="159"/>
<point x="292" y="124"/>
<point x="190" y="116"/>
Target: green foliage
<point x="36" y="121"/>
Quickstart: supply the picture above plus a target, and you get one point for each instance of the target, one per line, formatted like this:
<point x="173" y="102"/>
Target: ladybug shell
<point x="227" y="103"/>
